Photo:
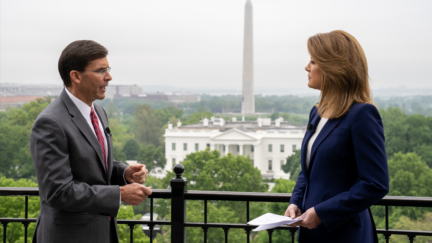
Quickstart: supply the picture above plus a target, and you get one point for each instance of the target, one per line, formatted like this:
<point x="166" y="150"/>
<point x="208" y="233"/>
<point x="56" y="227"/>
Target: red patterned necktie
<point x="99" y="135"/>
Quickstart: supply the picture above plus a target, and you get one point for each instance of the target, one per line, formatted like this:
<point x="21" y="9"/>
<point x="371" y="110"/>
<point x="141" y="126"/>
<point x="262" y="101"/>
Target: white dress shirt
<point x="321" y="124"/>
<point x="85" y="111"/>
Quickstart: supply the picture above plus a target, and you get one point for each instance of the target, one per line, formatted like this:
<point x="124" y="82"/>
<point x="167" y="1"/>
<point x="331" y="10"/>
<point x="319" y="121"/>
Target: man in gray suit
<point x="80" y="185"/>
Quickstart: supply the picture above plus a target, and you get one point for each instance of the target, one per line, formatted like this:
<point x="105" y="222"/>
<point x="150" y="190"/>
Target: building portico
<point x="267" y="143"/>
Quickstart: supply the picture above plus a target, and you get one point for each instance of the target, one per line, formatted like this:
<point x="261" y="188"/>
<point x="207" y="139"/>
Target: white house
<point x="267" y="143"/>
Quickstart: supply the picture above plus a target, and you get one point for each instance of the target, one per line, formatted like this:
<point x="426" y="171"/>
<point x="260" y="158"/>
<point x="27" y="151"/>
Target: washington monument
<point x="248" y="99"/>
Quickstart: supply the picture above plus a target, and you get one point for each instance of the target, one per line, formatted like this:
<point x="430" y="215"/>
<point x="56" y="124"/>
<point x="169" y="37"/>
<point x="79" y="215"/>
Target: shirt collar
<point x="82" y="107"/>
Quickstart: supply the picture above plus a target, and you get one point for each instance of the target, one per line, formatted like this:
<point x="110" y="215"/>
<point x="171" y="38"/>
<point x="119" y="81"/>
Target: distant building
<point x="7" y="89"/>
<point x="135" y="92"/>
<point x="16" y="101"/>
<point x="120" y="91"/>
<point x="267" y="143"/>
<point x="179" y="97"/>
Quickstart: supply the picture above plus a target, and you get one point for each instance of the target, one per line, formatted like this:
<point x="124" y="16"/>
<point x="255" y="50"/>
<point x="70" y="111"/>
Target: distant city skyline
<point x="402" y="90"/>
<point x="195" y="43"/>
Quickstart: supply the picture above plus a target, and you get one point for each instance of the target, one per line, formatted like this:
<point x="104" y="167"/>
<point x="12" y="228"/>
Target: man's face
<point x="93" y="83"/>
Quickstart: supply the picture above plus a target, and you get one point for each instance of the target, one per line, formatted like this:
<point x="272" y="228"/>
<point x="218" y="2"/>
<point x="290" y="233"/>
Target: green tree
<point x="207" y="170"/>
<point x="169" y="111"/>
<point x="293" y="165"/>
<point x="112" y="110"/>
<point x="409" y="176"/>
<point x="15" y="130"/>
<point x="406" y="133"/>
<point x="120" y="136"/>
<point x="14" y="207"/>
<point x="281" y="186"/>
<point x="147" y="126"/>
<point x="151" y="157"/>
<point x="118" y="154"/>
<point x="406" y="223"/>
<point x="197" y="117"/>
<point x="131" y="149"/>
<point x="127" y="212"/>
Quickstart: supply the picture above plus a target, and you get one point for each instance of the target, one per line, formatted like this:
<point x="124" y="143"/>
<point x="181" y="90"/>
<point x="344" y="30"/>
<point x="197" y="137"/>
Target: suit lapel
<point x="81" y="123"/>
<point x="315" y="120"/>
<point x="326" y="130"/>
<point x="104" y="121"/>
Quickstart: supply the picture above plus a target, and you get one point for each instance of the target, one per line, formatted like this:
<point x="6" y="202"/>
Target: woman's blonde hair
<point x="345" y="79"/>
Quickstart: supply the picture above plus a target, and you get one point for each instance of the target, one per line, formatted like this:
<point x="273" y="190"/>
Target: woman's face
<point x="314" y="75"/>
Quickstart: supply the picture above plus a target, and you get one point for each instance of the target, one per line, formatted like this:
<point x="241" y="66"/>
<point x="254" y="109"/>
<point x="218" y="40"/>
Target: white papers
<point x="270" y="220"/>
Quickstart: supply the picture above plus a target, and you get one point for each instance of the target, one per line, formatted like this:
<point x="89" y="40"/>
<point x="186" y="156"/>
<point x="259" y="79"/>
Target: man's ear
<point x="75" y="77"/>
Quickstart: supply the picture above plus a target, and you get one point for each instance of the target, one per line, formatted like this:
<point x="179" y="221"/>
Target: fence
<point x="178" y="223"/>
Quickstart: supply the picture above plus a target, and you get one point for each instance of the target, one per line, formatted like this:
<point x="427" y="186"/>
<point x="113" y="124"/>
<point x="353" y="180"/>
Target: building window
<point x="208" y="145"/>
<point x="294" y="147"/>
<point x="173" y="162"/>
<point x="282" y="162"/>
<point x="185" y="146"/>
<point x="223" y="146"/>
<point x="252" y="148"/>
<point x="270" y="148"/>
<point x="238" y="148"/>
<point x="173" y="146"/>
<point x="282" y="148"/>
<point x="196" y="147"/>
<point x="270" y="165"/>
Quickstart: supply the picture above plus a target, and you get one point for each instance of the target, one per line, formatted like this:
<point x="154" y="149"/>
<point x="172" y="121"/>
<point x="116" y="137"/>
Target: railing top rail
<point x="235" y="196"/>
<point x="34" y="191"/>
<point x="19" y="191"/>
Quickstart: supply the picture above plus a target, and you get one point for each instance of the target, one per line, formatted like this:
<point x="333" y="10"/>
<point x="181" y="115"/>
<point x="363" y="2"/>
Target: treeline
<point x="409" y="105"/>
<point x="226" y="104"/>
<point x="270" y="104"/>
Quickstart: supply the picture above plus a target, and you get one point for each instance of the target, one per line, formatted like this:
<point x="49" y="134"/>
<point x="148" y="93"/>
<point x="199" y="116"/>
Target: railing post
<point x="4" y="231"/>
<point x="293" y="232"/>
<point x="131" y="228"/>
<point x="178" y="206"/>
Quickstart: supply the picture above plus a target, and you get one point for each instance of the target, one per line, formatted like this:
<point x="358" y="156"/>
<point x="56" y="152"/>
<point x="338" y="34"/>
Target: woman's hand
<point x="293" y="211"/>
<point x="310" y="219"/>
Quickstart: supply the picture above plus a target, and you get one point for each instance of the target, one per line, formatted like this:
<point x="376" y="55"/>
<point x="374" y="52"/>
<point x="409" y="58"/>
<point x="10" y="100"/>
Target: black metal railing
<point x="178" y="223"/>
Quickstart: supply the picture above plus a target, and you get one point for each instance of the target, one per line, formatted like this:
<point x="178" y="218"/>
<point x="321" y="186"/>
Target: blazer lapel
<point x="83" y="126"/>
<point x="326" y="130"/>
<point x="103" y="119"/>
<point x="315" y="120"/>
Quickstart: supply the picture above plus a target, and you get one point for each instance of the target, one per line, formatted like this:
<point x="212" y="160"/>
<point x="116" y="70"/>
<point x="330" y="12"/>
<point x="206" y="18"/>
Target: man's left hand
<point x="310" y="219"/>
<point x="136" y="173"/>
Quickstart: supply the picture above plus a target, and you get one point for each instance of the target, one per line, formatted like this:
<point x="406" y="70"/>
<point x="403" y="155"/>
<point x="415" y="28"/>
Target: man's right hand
<point x="293" y="211"/>
<point x="134" y="194"/>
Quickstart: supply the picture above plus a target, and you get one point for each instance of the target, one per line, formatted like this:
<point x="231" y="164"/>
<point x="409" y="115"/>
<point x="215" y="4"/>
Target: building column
<point x="240" y="149"/>
<point x="255" y="155"/>
<point x="213" y="146"/>
<point x="226" y="149"/>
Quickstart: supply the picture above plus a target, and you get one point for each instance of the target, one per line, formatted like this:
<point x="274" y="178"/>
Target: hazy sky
<point x="198" y="43"/>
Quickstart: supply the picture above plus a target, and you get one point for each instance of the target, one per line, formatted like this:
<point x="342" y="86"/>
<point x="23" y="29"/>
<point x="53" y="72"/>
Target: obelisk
<point x="248" y="99"/>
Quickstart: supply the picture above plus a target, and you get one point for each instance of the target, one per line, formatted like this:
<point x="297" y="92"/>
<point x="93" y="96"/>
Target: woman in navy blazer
<point x="344" y="164"/>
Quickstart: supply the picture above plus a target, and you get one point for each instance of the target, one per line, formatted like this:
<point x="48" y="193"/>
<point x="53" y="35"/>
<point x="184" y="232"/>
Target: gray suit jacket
<point x="77" y="196"/>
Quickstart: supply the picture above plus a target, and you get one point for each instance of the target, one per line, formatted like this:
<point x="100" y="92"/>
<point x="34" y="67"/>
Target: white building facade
<point x="267" y="143"/>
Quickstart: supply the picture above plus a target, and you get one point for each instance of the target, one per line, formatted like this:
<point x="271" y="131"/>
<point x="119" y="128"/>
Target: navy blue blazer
<point x="347" y="174"/>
